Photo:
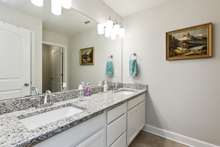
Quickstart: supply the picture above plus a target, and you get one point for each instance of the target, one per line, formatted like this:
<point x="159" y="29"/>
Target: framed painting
<point x="87" y="56"/>
<point x="190" y="43"/>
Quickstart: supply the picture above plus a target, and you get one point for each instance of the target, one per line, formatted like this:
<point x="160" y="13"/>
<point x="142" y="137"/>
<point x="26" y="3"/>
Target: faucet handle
<point x="35" y="90"/>
<point x="48" y="92"/>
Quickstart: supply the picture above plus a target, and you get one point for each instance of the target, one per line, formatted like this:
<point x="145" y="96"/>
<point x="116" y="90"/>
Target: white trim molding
<point x="188" y="141"/>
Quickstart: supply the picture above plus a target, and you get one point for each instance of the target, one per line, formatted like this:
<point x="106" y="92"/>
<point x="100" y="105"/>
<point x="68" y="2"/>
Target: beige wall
<point x="102" y="49"/>
<point x="33" y="24"/>
<point x="55" y="37"/>
<point x="184" y="95"/>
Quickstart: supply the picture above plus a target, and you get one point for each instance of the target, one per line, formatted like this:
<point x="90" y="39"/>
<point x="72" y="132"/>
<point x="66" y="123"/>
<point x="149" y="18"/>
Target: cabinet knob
<point x="26" y="84"/>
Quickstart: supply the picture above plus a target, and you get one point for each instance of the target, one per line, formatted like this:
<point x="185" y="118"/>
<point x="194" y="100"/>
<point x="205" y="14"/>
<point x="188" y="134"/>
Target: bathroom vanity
<point x="107" y="119"/>
<point x="115" y="127"/>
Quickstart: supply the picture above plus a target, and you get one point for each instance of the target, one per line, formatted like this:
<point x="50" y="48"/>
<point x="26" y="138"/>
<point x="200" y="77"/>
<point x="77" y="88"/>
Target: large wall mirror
<point x="43" y="51"/>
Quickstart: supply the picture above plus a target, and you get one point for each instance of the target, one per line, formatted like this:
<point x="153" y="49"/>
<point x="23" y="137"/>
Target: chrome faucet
<point x="35" y="91"/>
<point x="115" y="87"/>
<point x="47" y="95"/>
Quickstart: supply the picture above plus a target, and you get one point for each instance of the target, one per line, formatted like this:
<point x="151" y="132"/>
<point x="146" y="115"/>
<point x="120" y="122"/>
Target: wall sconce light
<point x="111" y="30"/>
<point x="39" y="3"/>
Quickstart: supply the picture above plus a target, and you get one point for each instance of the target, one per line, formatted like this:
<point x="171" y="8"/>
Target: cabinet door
<point x="120" y="142"/>
<point x="96" y="140"/>
<point x="115" y="129"/>
<point x="77" y="134"/>
<point x="136" y="121"/>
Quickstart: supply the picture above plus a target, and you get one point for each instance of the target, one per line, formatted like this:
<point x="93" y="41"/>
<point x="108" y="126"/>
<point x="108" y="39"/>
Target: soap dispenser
<point x="80" y="88"/>
<point x="87" y="90"/>
<point x="105" y="87"/>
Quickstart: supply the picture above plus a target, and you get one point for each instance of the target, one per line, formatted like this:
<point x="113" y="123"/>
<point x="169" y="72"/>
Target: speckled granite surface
<point x="22" y="103"/>
<point x="14" y="134"/>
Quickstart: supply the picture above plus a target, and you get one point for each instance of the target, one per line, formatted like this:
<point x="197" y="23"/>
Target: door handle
<point x="26" y="84"/>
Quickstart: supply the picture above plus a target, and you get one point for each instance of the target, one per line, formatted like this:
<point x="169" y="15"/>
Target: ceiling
<point x="128" y="7"/>
<point x="70" y="22"/>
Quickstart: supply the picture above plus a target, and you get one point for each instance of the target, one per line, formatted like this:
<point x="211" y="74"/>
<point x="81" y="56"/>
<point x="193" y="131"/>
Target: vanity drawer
<point x="96" y="140"/>
<point x="120" y="142"/>
<point x="116" y="112"/>
<point x="75" y="135"/>
<point x="136" y="101"/>
<point x="116" y="129"/>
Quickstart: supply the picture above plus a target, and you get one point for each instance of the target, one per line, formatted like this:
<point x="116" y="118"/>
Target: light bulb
<point x="107" y="32"/>
<point x="109" y="24"/>
<point x="101" y="29"/>
<point x="113" y="35"/>
<point x="67" y="4"/>
<point x="108" y="28"/>
<point x="56" y="7"/>
<point x="122" y="32"/>
<point x="39" y="3"/>
<point x="116" y="29"/>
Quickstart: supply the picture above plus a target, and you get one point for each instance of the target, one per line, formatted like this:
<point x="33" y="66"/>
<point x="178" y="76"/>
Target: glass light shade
<point x="108" y="28"/>
<point x="121" y="32"/>
<point x="39" y="3"/>
<point x="67" y="4"/>
<point x="56" y="7"/>
<point x="116" y="28"/>
<point x="101" y="29"/>
<point x="108" y="32"/>
<point x="113" y="35"/>
<point x="109" y="24"/>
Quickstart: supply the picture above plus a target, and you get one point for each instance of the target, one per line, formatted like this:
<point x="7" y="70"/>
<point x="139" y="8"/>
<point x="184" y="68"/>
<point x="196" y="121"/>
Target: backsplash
<point x="127" y="85"/>
<point x="22" y="103"/>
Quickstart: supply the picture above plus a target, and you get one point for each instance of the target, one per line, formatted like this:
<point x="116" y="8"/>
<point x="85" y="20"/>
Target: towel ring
<point x="110" y="57"/>
<point x="133" y="55"/>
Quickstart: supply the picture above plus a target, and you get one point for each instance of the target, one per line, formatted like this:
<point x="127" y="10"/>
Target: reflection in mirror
<point x="52" y="68"/>
<point x="43" y="51"/>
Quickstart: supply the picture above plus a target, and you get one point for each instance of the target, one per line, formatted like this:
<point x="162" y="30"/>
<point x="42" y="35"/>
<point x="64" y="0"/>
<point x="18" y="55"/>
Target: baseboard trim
<point x="188" y="141"/>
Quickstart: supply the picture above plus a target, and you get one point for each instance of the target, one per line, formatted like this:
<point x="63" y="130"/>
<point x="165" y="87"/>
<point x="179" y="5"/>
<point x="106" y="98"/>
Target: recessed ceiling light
<point x="87" y="22"/>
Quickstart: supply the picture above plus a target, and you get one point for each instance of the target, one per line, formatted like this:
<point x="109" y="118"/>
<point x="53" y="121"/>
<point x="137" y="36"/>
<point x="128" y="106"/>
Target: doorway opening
<point x="52" y="68"/>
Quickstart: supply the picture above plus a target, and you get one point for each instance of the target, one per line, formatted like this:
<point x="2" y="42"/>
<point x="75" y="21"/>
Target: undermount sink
<point x="125" y="91"/>
<point x="44" y="118"/>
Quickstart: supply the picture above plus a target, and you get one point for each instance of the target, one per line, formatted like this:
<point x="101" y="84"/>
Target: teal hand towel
<point x="109" y="69"/>
<point x="133" y="68"/>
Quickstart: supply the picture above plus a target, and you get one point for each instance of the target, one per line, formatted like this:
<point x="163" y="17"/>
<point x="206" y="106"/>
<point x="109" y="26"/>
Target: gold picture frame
<point x="190" y="43"/>
<point x="87" y="56"/>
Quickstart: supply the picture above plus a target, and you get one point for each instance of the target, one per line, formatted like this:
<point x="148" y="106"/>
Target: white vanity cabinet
<point x="116" y="127"/>
<point x="120" y="142"/>
<point x="96" y="140"/>
<point x="125" y="122"/>
<point x="135" y="117"/>
<point x="78" y="134"/>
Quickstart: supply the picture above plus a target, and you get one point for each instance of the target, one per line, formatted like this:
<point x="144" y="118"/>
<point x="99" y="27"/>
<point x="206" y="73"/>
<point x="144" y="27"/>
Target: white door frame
<point x="64" y="58"/>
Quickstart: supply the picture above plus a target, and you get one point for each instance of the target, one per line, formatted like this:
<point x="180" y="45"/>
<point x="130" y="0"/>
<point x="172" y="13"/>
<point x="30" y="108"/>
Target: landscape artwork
<point x="86" y="56"/>
<point x="190" y="43"/>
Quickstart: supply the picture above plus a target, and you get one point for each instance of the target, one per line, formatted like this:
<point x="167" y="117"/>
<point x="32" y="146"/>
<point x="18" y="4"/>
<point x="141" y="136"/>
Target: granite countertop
<point x="14" y="134"/>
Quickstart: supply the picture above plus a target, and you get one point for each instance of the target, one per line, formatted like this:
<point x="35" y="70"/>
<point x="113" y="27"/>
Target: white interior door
<point x="15" y="50"/>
